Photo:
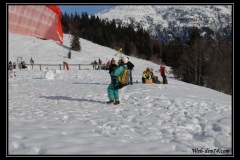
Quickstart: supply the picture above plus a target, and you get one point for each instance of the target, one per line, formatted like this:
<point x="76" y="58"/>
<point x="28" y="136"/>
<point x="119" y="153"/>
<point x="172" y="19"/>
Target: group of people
<point x="20" y="64"/>
<point x="109" y="65"/>
<point x="116" y="70"/>
<point x="97" y="65"/>
<point x="149" y="77"/>
<point x="13" y="65"/>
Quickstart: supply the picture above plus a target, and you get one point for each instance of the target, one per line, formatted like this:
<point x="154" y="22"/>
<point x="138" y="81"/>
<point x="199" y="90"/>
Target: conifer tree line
<point x="199" y="61"/>
<point x="202" y="61"/>
<point x="134" y="43"/>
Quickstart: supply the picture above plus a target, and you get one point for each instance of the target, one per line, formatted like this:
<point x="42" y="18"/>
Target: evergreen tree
<point x="69" y="54"/>
<point x="75" y="43"/>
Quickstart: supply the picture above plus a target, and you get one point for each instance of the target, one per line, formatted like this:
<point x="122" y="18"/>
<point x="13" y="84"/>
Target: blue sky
<point x="90" y="9"/>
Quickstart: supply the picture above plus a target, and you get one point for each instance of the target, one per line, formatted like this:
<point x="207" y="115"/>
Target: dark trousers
<point x="164" y="79"/>
<point x="131" y="77"/>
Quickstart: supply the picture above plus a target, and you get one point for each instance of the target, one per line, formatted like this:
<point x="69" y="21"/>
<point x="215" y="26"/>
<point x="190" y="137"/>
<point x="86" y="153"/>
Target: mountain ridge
<point x="168" y="21"/>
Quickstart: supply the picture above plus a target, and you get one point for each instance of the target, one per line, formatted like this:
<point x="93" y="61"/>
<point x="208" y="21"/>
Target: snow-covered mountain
<point x="168" y="21"/>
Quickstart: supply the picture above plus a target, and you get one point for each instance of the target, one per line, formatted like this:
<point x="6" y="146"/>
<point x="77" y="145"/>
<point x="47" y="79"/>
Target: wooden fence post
<point x="79" y="67"/>
<point x="60" y="66"/>
<point x="40" y="66"/>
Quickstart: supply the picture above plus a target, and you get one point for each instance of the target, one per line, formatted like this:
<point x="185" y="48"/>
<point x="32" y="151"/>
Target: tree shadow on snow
<point x="71" y="99"/>
<point x="64" y="46"/>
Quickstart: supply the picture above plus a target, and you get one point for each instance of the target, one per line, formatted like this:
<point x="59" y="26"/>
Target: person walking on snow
<point x="112" y="91"/>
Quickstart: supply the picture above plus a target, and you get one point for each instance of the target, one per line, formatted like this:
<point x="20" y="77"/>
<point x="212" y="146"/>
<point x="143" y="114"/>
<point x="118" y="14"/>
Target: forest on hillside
<point x="198" y="60"/>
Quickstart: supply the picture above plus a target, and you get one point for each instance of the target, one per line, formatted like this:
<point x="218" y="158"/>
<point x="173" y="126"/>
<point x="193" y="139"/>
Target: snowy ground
<point x="60" y="112"/>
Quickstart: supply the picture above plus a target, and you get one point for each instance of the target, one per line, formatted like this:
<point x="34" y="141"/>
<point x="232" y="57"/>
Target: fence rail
<point x="60" y="65"/>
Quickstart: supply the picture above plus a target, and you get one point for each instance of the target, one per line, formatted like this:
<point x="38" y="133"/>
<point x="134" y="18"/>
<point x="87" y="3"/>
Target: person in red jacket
<point x="162" y="71"/>
<point x="66" y="64"/>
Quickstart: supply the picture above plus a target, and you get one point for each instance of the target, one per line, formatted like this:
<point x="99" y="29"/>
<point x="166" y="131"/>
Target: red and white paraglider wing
<point x="43" y="21"/>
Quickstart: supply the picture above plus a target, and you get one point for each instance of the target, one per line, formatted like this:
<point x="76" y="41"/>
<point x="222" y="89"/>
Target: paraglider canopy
<point x="42" y="21"/>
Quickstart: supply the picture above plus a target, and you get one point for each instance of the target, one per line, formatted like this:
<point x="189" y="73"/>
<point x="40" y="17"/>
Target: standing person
<point x="66" y="64"/>
<point x="10" y="68"/>
<point x="130" y="66"/>
<point x="32" y="62"/>
<point x="69" y="54"/>
<point x="162" y="71"/>
<point x="14" y="65"/>
<point x="19" y="62"/>
<point x="9" y="63"/>
<point x="95" y="64"/>
<point x="99" y="64"/>
<point x="112" y="91"/>
<point x="108" y="64"/>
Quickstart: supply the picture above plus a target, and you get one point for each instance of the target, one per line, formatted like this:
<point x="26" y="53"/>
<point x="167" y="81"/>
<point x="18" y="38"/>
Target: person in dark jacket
<point x="130" y="67"/>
